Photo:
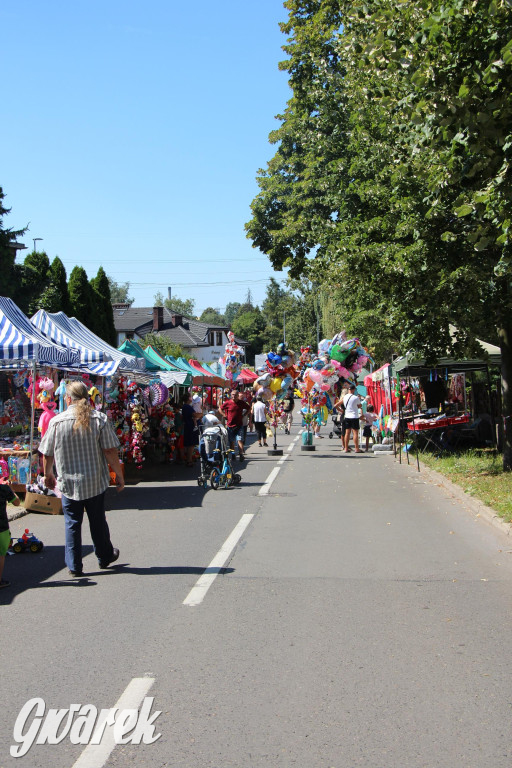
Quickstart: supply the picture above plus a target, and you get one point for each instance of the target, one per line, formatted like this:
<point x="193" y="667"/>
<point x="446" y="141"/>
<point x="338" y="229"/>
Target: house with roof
<point x="202" y="341"/>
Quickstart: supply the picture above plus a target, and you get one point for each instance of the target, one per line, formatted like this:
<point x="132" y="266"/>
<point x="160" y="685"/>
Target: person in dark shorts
<point x="259" y="418"/>
<point x="288" y="406"/>
<point x="352" y="403"/>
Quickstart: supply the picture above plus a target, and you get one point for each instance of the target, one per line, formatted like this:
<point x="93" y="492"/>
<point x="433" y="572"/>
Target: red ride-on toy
<point x="26" y="542"/>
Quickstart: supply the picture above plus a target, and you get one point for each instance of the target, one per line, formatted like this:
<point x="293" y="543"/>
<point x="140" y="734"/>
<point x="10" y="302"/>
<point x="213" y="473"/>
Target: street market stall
<point x="22" y="345"/>
<point x="441" y="423"/>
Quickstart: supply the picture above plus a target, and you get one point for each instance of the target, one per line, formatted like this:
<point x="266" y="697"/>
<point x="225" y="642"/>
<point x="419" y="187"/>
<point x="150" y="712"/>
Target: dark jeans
<point x="100" y="534"/>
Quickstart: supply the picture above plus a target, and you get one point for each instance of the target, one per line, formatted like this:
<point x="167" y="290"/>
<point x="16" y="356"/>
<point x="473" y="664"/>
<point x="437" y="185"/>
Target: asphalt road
<point x="363" y="618"/>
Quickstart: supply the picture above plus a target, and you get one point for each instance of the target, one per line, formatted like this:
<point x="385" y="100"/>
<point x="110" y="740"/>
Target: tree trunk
<point x="505" y="336"/>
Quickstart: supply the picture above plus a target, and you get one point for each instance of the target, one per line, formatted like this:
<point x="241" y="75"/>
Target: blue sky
<point x="132" y="135"/>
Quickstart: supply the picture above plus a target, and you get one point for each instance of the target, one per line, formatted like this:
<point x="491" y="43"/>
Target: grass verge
<point x="479" y="472"/>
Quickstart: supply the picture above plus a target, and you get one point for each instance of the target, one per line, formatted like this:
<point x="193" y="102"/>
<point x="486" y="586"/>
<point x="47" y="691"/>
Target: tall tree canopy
<point x="391" y="180"/>
<point x="103" y="316"/>
<point x="212" y="316"/>
<point x="80" y="297"/>
<point x="55" y="297"/>
<point x="9" y="271"/>
<point x="180" y="306"/>
<point x="119" y="292"/>
<point x="35" y="280"/>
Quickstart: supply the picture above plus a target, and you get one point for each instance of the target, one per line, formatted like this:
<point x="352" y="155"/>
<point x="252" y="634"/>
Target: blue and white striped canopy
<point x="56" y="328"/>
<point x="22" y="341"/>
<point x="80" y="333"/>
<point x="93" y="350"/>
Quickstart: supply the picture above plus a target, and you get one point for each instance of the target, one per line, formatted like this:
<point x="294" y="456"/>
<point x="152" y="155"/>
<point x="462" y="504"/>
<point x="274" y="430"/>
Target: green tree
<point x="391" y="181"/>
<point x="80" y="297"/>
<point x="453" y="122"/>
<point x="231" y="311"/>
<point x="55" y="298"/>
<point x="35" y="279"/>
<point x="103" y="304"/>
<point x="119" y="292"/>
<point x="212" y="317"/>
<point x="8" y="268"/>
<point x="249" y="326"/>
<point x="164" y="345"/>
<point x="183" y="307"/>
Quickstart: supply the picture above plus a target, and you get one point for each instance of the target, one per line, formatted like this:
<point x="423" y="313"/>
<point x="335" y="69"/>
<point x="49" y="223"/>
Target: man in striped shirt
<point x="82" y="443"/>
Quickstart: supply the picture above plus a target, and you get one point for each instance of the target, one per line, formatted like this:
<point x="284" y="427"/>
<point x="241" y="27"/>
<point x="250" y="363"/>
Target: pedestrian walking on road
<point x="81" y="443"/>
<point x="288" y="406"/>
<point x="352" y="403"/>
<point x="259" y="417"/>
<point x="233" y="411"/>
<point x="190" y="417"/>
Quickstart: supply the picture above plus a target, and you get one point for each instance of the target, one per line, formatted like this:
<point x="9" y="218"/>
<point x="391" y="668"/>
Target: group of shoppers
<point x="239" y="412"/>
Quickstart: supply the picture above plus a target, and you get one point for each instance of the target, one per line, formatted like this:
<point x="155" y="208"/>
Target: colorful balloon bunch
<point x="277" y="375"/>
<point x="339" y="360"/>
<point x="231" y="360"/>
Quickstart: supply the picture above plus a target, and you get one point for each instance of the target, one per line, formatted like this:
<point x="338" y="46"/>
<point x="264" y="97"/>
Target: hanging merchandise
<point x="156" y="394"/>
<point x="95" y="396"/>
<point x="46" y="402"/>
<point x="231" y="360"/>
<point x="127" y="409"/>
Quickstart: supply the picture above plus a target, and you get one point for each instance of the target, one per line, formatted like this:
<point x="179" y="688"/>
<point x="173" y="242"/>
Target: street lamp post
<point x="35" y="239"/>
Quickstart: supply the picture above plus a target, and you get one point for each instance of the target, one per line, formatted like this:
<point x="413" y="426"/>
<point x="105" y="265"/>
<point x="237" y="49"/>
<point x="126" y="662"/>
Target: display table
<point x="431" y="432"/>
<point x="7" y="453"/>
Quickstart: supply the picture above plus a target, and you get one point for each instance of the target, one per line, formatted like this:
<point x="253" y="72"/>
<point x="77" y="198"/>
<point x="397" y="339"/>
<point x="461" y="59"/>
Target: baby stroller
<point x="337" y="426"/>
<point x="214" y="454"/>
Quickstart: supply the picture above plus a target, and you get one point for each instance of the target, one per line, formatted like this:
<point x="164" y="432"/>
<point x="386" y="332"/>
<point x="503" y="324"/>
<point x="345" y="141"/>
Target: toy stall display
<point x="126" y="407"/>
<point x="15" y="415"/>
<point x="15" y="408"/>
<point x="161" y="414"/>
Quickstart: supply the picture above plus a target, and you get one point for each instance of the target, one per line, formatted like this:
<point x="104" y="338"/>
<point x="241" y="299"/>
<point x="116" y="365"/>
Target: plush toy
<point x="95" y="396"/>
<point x="47" y="403"/>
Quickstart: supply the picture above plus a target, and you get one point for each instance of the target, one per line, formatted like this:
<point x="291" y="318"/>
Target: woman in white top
<point x="352" y="403"/>
<point x="259" y="418"/>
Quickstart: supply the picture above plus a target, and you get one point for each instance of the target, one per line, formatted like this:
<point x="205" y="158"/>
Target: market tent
<point x="22" y="341"/>
<point x="196" y="378"/>
<point x="209" y="369"/>
<point x="182" y="378"/>
<point x="81" y="334"/>
<point x="201" y="378"/>
<point x="52" y="326"/>
<point x="212" y="379"/>
<point x="130" y="347"/>
<point x="409" y="366"/>
<point x="246" y="376"/>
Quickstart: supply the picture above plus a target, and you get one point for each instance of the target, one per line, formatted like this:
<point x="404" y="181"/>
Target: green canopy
<point x="130" y="347"/>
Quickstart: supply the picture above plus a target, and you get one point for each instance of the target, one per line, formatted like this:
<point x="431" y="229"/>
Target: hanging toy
<point x="47" y="403"/>
<point x="95" y="396"/>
